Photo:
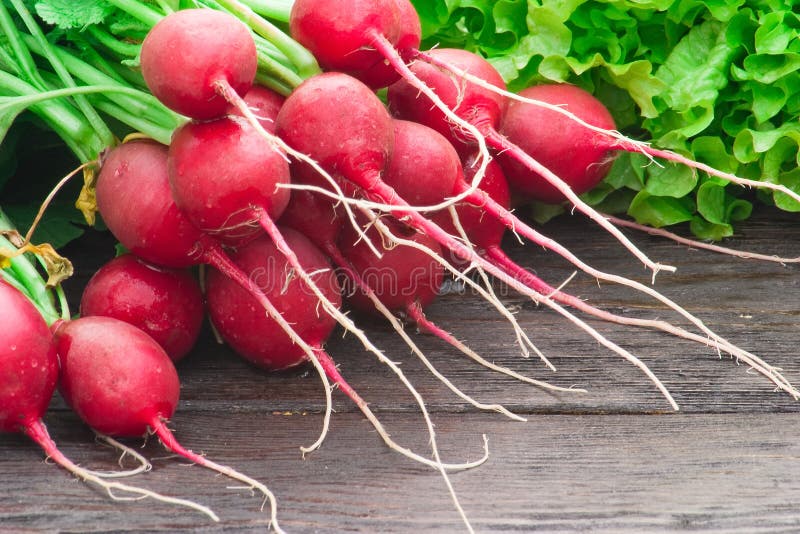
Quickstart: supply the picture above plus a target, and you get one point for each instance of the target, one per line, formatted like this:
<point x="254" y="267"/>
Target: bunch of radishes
<point x="280" y="196"/>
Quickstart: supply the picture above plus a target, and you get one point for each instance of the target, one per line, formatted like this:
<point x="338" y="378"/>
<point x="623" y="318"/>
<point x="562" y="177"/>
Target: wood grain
<point x="615" y="459"/>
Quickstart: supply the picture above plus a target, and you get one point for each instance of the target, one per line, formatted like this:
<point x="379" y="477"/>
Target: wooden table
<point x="616" y="459"/>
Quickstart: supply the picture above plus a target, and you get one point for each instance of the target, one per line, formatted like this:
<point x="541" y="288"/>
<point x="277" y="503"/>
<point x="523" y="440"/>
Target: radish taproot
<point x="167" y="304"/>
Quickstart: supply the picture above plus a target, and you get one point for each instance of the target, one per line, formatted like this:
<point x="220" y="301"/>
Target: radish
<point x="224" y="176"/>
<point x="264" y="103"/>
<point x="30" y="370"/>
<point x="166" y="304"/>
<point x="579" y="156"/>
<point x="223" y="52"/>
<point x="122" y="383"/>
<point x="242" y="323"/>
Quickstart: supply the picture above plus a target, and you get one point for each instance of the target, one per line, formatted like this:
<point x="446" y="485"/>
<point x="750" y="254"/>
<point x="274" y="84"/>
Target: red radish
<point x="166" y="304"/>
<point x="383" y="73"/>
<point x="29" y="363"/>
<point x="29" y="371"/>
<point x="401" y="278"/>
<point x="122" y="383"/>
<point x="579" y="156"/>
<point x="222" y="52"/>
<point x="224" y="175"/>
<point x="340" y="34"/>
<point x="116" y="377"/>
<point x="264" y="103"/>
<point x="243" y="324"/>
<point x="476" y="105"/>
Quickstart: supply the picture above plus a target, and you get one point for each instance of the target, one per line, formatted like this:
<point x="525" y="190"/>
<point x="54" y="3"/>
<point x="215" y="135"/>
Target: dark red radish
<point x="29" y="371"/>
<point x="224" y="176"/>
<point x="167" y="304"/>
<point x="315" y="216"/>
<point x="241" y="321"/>
<point x="264" y="103"/>
<point x="579" y="156"/>
<point x="221" y="51"/>
<point x="401" y="277"/>
<point x="122" y="383"/>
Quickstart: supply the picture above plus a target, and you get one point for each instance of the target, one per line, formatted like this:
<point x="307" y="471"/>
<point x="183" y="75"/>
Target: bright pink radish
<point x="224" y="175"/>
<point x="222" y="50"/>
<point x="28" y="363"/>
<point x="166" y="304"/>
<point x="579" y="156"/>
<point x="401" y="277"/>
<point x="245" y="326"/>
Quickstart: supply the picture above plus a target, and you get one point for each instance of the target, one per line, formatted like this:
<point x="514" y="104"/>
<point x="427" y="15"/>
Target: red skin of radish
<point x="305" y="123"/>
<point x="424" y="166"/>
<point x="135" y="201"/>
<point x="265" y="104"/>
<point x="401" y="277"/>
<point x="166" y="304"/>
<point x="115" y="377"/>
<point x="190" y="50"/>
<point x="579" y="156"/>
<point x="223" y="175"/>
<point x="483" y="230"/>
<point x="28" y="362"/>
<point x="315" y="216"/>
<point x="425" y="169"/>
<point x="340" y="35"/>
<point x="241" y="320"/>
<point x="382" y="74"/>
<point x="476" y="105"/>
